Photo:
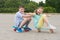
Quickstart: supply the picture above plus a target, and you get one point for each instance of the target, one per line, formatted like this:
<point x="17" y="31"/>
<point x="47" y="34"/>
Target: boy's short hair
<point x="21" y="6"/>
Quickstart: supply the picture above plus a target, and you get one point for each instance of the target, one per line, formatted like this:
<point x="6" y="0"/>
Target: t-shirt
<point x="18" y="17"/>
<point x="38" y="20"/>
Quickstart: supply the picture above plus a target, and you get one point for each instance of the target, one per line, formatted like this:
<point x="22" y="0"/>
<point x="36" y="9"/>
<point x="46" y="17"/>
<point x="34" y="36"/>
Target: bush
<point x="8" y="10"/>
<point x="49" y="10"/>
<point x="30" y="7"/>
<point x="11" y="6"/>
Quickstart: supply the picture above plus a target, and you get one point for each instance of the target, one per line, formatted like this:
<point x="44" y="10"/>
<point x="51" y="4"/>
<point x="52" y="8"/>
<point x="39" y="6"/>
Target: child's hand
<point x="31" y="14"/>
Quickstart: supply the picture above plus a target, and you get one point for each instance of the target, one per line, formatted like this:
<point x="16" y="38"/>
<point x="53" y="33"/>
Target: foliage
<point x="49" y="10"/>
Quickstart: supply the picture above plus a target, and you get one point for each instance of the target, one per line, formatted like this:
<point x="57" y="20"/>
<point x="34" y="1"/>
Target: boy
<point x="21" y="19"/>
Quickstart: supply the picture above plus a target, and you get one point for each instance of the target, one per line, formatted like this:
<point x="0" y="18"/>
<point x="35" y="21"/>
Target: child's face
<point x="40" y="10"/>
<point x="21" y="10"/>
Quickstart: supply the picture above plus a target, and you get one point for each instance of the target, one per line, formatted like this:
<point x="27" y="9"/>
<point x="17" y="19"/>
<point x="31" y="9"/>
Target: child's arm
<point x="32" y="14"/>
<point x="28" y="15"/>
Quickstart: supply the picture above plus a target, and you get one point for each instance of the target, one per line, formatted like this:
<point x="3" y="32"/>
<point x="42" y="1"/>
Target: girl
<point x="39" y="20"/>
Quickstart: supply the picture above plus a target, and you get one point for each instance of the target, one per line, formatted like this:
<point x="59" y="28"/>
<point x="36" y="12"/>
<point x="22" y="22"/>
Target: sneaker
<point x="26" y="29"/>
<point x="39" y="30"/>
<point x="19" y="30"/>
<point x="14" y="28"/>
<point x="52" y="27"/>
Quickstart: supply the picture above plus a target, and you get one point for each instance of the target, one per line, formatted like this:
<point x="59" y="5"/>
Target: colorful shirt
<point x="38" y="20"/>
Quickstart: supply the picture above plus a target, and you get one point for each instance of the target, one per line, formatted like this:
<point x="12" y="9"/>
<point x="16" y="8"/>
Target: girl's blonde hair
<point x="35" y="11"/>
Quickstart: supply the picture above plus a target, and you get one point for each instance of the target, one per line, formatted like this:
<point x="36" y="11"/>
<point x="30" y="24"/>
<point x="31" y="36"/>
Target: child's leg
<point x="27" y="23"/>
<point x="46" y="21"/>
<point x="23" y="23"/>
<point x="26" y="28"/>
<point x="17" y="24"/>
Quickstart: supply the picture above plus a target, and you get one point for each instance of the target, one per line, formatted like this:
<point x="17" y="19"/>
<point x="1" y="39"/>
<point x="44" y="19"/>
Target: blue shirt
<point x="18" y="17"/>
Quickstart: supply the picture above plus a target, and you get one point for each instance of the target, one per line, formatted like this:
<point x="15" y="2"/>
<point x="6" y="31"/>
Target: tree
<point x="12" y="5"/>
<point x="31" y="6"/>
<point x="41" y="3"/>
<point x="49" y="10"/>
<point x="2" y="3"/>
<point x="54" y="3"/>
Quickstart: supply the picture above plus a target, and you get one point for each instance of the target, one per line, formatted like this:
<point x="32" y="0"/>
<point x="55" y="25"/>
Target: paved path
<point x="6" y="32"/>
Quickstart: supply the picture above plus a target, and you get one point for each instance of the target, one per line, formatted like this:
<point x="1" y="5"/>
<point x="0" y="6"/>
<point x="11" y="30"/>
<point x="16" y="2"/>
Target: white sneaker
<point x="52" y="27"/>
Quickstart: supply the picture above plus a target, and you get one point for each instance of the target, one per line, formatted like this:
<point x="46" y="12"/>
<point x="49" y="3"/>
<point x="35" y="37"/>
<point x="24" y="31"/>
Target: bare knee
<point x="27" y="19"/>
